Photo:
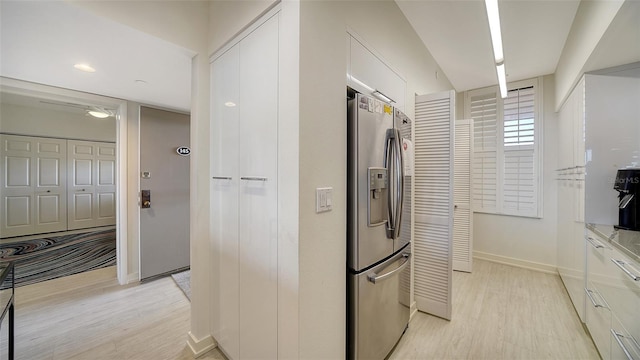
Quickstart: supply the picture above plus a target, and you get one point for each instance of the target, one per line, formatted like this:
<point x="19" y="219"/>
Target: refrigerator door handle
<point x="404" y="261"/>
<point x="388" y="155"/>
<point x="399" y="184"/>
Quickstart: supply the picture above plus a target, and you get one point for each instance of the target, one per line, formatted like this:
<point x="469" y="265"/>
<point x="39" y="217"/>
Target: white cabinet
<point x="613" y="318"/>
<point x="33" y="185"/>
<point x="570" y="180"/>
<point x="92" y="184"/>
<point x="244" y="124"/>
<point x="369" y="75"/>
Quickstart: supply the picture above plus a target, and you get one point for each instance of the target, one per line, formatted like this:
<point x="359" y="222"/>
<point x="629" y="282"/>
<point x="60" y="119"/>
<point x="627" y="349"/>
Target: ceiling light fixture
<point x="99" y="112"/>
<point x="84" y="67"/>
<point x="230" y="104"/>
<point x="493" y="15"/>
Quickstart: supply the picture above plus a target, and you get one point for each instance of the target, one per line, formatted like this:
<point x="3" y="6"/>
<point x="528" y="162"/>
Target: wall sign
<point x="183" y="151"/>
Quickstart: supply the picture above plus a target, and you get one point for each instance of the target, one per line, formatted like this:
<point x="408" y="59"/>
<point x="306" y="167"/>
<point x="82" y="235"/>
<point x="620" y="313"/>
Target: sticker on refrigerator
<point x="407" y="156"/>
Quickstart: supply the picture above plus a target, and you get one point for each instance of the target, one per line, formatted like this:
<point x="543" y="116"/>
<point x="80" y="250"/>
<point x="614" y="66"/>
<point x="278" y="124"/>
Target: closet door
<point x="462" y="215"/>
<point x="105" y="195"/>
<point x="434" y="203"/>
<point x="224" y="199"/>
<point x="258" y="241"/>
<point x="33" y="185"/>
<point x="82" y="187"/>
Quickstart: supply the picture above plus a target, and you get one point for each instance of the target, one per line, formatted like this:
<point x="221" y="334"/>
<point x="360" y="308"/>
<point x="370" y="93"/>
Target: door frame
<point x="124" y="214"/>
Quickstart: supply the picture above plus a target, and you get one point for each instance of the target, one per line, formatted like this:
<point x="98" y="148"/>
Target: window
<point x="506" y="159"/>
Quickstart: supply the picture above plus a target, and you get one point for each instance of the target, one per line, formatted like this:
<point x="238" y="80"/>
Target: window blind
<point x="507" y="139"/>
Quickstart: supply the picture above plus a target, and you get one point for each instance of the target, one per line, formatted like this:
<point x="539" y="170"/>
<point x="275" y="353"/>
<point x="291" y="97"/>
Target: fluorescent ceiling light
<point x="230" y="104"/>
<point x="84" y="67"/>
<point x="494" y="27"/>
<point x="502" y="80"/>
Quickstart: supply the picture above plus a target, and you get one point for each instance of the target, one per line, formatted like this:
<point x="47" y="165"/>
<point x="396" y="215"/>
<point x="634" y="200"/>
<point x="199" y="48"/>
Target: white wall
<point x="22" y="120"/>
<point x="323" y="27"/>
<point x="526" y="241"/>
<point x="590" y="23"/>
<point x="228" y="18"/>
<point x="186" y="24"/>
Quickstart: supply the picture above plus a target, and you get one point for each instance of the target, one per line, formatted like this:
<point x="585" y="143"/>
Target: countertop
<point x="627" y="241"/>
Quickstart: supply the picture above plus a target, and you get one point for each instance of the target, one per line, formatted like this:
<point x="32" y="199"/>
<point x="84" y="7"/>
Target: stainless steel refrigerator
<point x="378" y="227"/>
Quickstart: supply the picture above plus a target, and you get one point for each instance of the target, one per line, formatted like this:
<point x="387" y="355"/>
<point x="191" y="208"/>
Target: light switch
<point x="324" y="199"/>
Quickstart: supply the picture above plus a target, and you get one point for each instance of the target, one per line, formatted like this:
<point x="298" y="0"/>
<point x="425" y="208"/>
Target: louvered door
<point x="434" y="203"/>
<point x="462" y="215"/>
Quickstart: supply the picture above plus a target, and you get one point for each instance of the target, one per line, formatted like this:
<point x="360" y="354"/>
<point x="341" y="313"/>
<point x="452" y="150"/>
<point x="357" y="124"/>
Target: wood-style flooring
<point x="499" y="312"/>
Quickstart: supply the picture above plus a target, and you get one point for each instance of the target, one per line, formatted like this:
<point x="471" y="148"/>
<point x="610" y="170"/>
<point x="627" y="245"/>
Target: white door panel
<point x="20" y="214"/>
<point x="258" y="198"/>
<point x="18" y="171"/>
<point x="33" y="185"/>
<point x="92" y="170"/>
<point x="224" y="199"/>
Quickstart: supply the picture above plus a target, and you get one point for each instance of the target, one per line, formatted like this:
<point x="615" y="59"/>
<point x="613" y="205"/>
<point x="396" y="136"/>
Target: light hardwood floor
<point x="499" y="312"/>
<point x="89" y="316"/>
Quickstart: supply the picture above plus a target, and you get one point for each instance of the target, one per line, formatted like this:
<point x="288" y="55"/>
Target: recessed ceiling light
<point x="84" y="67"/>
<point x="229" y="104"/>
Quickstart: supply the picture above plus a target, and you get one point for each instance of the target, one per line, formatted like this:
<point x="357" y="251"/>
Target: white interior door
<point x="433" y="209"/>
<point x="164" y="226"/>
<point x="33" y="185"/>
<point x="105" y="191"/>
<point x="82" y="158"/>
<point x="462" y="214"/>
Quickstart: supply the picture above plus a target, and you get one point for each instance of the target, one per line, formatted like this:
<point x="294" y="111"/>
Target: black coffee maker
<point x="628" y="187"/>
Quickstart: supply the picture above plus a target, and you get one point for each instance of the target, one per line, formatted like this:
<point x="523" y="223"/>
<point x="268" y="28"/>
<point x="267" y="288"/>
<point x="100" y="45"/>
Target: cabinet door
<point x="81" y="187"/>
<point x="105" y="192"/>
<point x="33" y="185"/>
<point x="258" y="152"/>
<point x="224" y="199"/>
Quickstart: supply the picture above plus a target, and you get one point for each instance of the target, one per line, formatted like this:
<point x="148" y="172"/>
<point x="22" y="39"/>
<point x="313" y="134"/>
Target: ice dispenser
<point x="628" y="187"/>
<point x="377" y="199"/>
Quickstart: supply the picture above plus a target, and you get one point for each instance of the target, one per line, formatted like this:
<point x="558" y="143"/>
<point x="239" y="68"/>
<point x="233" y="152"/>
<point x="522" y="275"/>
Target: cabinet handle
<point x="617" y="336"/>
<point x="596" y="244"/>
<point x="621" y="265"/>
<point x="81" y="190"/>
<point x="253" y="178"/>
<point x="593" y="301"/>
<point x="222" y="177"/>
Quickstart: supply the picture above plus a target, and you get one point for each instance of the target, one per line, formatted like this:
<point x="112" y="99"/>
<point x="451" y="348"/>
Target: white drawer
<point x="598" y="319"/>
<point x="621" y="292"/>
<point x="623" y="345"/>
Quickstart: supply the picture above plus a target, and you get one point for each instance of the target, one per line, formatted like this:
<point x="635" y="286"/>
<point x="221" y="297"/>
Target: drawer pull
<point x="621" y="265"/>
<point x="595" y="243"/>
<point x="593" y="301"/>
<point x="254" y="178"/>
<point x="222" y="177"/>
<point x="617" y="336"/>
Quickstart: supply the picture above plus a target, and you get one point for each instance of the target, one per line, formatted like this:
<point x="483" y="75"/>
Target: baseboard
<point x="412" y="310"/>
<point x="200" y="347"/>
<point x="133" y="277"/>
<point x="545" y="268"/>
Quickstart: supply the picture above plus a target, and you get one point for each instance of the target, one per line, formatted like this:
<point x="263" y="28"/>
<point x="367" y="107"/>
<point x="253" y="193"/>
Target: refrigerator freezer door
<point x="378" y="308"/>
<point x="367" y="124"/>
<point x="404" y="124"/>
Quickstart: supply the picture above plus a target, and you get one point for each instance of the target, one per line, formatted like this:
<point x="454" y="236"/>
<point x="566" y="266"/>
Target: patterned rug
<point x="53" y="257"/>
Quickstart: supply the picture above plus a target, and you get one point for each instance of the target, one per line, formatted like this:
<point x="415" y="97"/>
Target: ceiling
<point x="456" y="32"/>
<point x="41" y="41"/>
